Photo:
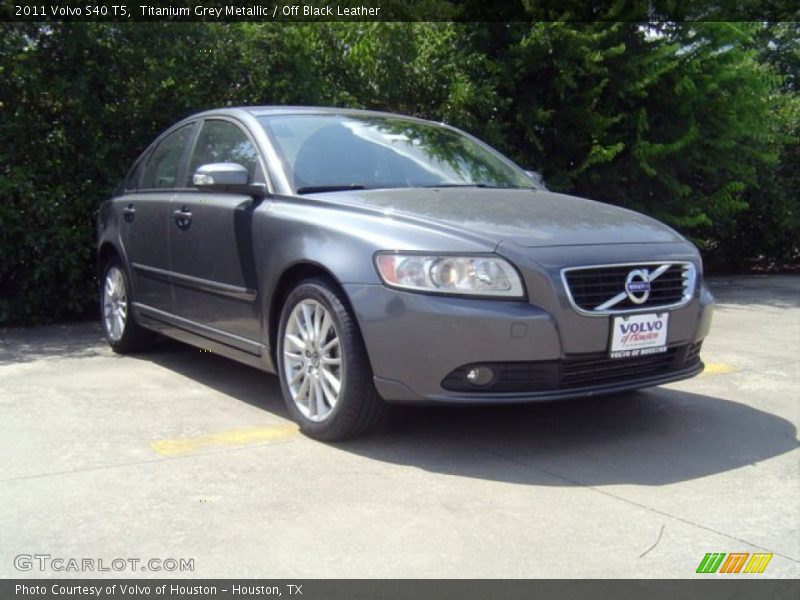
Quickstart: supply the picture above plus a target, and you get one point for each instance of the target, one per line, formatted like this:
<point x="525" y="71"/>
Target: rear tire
<point x="323" y="366"/>
<point x="123" y="333"/>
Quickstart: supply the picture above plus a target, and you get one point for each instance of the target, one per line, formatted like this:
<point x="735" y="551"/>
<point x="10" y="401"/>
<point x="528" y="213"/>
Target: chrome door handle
<point x="183" y="218"/>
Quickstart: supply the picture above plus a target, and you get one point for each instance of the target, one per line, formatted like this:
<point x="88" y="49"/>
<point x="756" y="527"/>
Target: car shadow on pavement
<point x="234" y="379"/>
<point x="652" y="437"/>
<point x="68" y="340"/>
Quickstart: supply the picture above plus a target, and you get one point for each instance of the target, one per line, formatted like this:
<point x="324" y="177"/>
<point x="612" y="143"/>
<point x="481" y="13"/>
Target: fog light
<point x="480" y="375"/>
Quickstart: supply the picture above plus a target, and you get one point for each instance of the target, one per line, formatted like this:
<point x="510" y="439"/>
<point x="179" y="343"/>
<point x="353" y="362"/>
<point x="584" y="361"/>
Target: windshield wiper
<point x="478" y="185"/>
<point x="319" y="189"/>
<point x="449" y="185"/>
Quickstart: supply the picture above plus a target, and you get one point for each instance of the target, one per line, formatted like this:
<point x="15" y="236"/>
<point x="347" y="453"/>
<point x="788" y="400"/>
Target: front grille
<point x="575" y="371"/>
<point x="591" y="287"/>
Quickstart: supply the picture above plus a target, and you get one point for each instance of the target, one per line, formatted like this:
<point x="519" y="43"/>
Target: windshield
<point x="323" y="153"/>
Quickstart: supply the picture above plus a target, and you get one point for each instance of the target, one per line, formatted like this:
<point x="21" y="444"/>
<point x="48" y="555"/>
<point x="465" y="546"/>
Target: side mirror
<point x="537" y="178"/>
<point x="231" y="178"/>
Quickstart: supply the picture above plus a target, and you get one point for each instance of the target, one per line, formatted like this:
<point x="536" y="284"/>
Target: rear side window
<point x="132" y="182"/>
<point x="161" y="170"/>
<point x="222" y="141"/>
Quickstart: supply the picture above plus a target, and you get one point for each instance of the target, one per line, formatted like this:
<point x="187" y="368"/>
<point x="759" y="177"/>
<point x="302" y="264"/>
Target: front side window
<point x="164" y="163"/>
<point x="221" y="142"/>
<point x="326" y="152"/>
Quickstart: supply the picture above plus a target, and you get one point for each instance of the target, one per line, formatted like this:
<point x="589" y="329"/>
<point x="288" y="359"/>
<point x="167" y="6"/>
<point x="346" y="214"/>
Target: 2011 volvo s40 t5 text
<point x="369" y="258"/>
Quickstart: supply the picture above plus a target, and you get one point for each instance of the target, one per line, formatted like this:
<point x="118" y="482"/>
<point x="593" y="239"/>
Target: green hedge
<point x="694" y="124"/>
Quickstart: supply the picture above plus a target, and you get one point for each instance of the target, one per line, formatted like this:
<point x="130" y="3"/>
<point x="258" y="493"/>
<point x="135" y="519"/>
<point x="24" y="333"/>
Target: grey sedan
<point x="368" y="259"/>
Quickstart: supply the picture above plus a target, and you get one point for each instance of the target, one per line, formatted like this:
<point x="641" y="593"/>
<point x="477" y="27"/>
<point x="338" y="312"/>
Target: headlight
<point x="466" y="275"/>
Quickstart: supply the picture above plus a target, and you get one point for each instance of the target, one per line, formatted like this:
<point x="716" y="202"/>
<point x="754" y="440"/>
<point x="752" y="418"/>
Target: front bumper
<point x="598" y="389"/>
<point x="415" y="341"/>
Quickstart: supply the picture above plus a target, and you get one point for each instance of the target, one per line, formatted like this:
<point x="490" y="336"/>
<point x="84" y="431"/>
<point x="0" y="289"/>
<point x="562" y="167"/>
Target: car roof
<point x="264" y="111"/>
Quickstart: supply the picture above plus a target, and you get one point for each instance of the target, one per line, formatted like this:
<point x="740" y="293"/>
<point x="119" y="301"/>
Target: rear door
<point x="211" y="243"/>
<point x="145" y="219"/>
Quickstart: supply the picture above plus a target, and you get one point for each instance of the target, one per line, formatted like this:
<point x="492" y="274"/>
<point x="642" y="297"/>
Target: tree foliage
<point x="694" y="123"/>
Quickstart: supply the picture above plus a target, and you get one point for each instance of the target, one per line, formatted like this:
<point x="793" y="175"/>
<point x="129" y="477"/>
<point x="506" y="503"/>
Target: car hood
<point x="528" y="218"/>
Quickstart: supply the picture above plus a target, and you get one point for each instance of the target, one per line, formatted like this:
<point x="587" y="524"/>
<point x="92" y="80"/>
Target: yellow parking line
<point x="718" y="369"/>
<point x="224" y="439"/>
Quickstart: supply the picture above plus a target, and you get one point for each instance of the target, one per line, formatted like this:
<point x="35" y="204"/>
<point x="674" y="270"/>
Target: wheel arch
<point x="289" y="278"/>
<point x="106" y="252"/>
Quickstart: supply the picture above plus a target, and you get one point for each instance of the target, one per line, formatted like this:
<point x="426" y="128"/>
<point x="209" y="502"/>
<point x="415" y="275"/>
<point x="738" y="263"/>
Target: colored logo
<point x="637" y="286"/>
<point x="734" y="562"/>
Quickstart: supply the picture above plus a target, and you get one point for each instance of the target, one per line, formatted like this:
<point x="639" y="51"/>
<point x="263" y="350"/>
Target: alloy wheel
<point x="115" y="304"/>
<point x="312" y="360"/>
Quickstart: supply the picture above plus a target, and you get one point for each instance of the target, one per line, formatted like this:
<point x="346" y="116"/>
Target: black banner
<point x="398" y="10"/>
<point x="404" y="589"/>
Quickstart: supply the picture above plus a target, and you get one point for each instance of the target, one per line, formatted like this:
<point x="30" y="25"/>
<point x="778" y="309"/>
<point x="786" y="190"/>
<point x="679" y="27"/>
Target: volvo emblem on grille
<point x="637" y="286"/>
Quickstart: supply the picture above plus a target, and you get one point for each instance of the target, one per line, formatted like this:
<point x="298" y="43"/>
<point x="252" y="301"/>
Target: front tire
<point x="323" y="366"/>
<point x="123" y="333"/>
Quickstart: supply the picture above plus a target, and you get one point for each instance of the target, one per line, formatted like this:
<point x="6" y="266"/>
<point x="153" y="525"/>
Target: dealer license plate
<point x="639" y="335"/>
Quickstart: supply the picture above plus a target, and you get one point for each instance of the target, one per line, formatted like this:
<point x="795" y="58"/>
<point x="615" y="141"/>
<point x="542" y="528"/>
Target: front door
<point x="211" y="245"/>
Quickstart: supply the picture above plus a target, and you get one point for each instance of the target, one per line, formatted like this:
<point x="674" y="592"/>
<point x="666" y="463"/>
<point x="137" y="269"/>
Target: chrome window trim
<point x="690" y="287"/>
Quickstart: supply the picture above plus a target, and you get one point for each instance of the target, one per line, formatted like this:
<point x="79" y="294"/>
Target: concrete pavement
<point x="181" y="454"/>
